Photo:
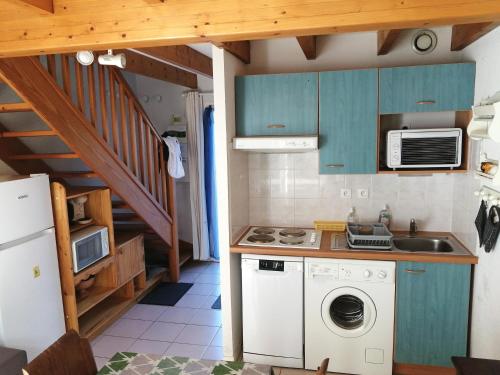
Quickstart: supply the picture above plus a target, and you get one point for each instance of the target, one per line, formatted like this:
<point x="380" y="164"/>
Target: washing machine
<point x="349" y="315"/>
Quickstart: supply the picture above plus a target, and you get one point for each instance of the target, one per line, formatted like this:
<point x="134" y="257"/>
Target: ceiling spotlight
<point x="118" y="60"/>
<point x="85" y="57"/>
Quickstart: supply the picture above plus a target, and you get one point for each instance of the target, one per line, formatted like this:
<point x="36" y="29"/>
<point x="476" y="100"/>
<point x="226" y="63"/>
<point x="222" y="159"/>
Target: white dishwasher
<point x="273" y="332"/>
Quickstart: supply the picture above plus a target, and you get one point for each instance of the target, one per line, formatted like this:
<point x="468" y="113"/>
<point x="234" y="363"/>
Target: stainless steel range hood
<point x="276" y="144"/>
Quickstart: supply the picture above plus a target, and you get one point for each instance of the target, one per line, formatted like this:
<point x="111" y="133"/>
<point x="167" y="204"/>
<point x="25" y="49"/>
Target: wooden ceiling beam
<point x="308" y="46"/>
<point x="241" y="50"/>
<point x="98" y="25"/>
<point x="140" y="64"/>
<point x="45" y="5"/>
<point x="464" y="35"/>
<point x="386" y="40"/>
<point x="183" y="57"/>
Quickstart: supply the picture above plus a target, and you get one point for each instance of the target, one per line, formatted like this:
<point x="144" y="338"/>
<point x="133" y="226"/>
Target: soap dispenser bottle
<point x="385" y="216"/>
<point x="352" y="218"/>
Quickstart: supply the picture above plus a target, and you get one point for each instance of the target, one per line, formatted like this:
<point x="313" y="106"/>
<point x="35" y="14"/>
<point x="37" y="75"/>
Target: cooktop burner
<point x="290" y="241"/>
<point x="260" y="238"/>
<point x="282" y="237"/>
<point x="293" y="232"/>
<point x="263" y="230"/>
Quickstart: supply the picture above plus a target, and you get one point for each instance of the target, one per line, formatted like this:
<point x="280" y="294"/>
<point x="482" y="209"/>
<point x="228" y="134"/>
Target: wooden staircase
<point x="95" y="113"/>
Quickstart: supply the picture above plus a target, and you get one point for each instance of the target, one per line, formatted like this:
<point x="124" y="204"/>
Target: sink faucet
<point x="413" y="228"/>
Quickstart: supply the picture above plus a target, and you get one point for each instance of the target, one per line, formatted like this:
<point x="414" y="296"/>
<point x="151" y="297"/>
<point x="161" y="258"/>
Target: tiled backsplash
<point x="287" y="189"/>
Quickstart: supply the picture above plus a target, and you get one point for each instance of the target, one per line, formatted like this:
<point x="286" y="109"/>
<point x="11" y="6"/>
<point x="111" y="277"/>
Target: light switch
<point x="36" y="272"/>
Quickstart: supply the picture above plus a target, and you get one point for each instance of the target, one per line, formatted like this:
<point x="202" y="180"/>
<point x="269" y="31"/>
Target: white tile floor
<point x="190" y="328"/>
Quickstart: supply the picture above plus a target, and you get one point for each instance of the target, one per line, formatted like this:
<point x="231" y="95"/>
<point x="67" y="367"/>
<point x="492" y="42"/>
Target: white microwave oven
<point x="88" y="246"/>
<point x="429" y="148"/>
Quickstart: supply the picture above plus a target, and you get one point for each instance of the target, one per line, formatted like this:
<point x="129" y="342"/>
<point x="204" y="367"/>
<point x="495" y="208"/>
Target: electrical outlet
<point x="363" y="193"/>
<point x="345" y="193"/>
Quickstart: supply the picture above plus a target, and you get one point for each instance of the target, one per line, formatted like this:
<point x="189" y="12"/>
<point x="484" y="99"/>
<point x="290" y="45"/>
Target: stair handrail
<point x="108" y="102"/>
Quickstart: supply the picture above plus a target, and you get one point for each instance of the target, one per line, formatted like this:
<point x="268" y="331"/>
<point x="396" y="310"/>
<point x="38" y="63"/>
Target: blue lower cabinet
<point x="432" y="312"/>
<point x="348" y="122"/>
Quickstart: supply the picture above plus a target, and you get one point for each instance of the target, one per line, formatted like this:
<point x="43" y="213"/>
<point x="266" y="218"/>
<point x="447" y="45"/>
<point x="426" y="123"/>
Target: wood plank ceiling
<point x="97" y="24"/>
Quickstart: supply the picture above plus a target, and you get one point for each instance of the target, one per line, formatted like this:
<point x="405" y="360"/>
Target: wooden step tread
<point x="44" y="156"/>
<point x="15" y="107"/>
<point x="126" y="216"/>
<point x="74" y="174"/>
<point x="120" y="204"/>
<point x="31" y="133"/>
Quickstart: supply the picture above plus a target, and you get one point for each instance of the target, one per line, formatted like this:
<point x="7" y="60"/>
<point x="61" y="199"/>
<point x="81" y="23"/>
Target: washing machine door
<point x="348" y="312"/>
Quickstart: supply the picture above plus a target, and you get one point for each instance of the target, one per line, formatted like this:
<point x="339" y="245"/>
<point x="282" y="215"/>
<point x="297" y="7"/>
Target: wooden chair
<point x="70" y="355"/>
<point x="323" y="367"/>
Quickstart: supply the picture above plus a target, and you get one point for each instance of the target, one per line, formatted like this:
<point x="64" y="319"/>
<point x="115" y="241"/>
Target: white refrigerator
<point x="31" y="309"/>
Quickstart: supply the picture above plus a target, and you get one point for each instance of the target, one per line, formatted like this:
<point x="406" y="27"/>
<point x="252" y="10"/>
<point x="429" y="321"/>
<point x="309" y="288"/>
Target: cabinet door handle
<point x="422" y="102"/>
<point x="276" y="126"/>
<point x="335" y="165"/>
<point x="415" y="272"/>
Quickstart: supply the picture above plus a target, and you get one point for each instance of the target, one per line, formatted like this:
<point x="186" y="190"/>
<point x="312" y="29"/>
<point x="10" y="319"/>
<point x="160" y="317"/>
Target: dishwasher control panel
<point x="271" y="265"/>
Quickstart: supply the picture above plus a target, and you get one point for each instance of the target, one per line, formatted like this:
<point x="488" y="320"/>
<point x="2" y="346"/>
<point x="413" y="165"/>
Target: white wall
<point x="485" y="329"/>
<point x="287" y="189"/>
<point x="345" y="51"/>
<point x="232" y="202"/>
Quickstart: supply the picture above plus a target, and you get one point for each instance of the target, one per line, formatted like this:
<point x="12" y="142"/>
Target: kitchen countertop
<point x="463" y="257"/>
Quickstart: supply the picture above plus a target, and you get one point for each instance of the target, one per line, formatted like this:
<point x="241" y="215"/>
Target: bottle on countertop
<point x="385" y="216"/>
<point x="352" y="218"/>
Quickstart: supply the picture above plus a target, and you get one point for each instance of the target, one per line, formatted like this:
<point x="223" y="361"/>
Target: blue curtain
<point x="210" y="190"/>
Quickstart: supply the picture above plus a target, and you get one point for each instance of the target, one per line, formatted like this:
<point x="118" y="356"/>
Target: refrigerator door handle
<point x="30" y="237"/>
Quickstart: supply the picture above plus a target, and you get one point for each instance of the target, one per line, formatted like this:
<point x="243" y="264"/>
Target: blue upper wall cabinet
<point x="348" y="122"/>
<point x="432" y="312"/>
<point x="427" y="88"/>
<point x="277" y="104"/>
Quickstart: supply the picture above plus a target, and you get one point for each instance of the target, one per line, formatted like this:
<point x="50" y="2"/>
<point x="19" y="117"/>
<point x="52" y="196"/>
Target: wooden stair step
<point x="128" y="216"/>
<point x="31" y="133"/>
<point x="130" y="226"/>
<point x="74" y="174"/>
<point x="44" y="156"/>
<point x="120" y="204"/>
<point x="15" y="107"/>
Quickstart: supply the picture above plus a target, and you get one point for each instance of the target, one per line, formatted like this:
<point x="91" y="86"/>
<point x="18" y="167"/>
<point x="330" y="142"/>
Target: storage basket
<point x="334" y="226"/>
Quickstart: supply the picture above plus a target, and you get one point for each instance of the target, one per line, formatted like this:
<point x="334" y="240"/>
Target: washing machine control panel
<point x="352" y="272"/>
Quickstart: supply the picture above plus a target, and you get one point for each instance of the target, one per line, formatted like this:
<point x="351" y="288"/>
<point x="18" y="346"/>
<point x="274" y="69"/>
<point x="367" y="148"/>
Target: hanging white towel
<point x="175" y="168"/>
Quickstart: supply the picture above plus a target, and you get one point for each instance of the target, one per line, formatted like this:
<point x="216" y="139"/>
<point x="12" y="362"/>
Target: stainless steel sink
<point x="423" y="244"/>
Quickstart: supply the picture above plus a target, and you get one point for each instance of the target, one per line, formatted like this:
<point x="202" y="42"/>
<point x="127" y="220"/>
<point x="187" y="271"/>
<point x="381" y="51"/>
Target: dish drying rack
<point x="369" y="236"/>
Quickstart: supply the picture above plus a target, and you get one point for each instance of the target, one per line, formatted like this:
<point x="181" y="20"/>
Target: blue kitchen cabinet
<point x="432" y="312"/>
<point x="427" y="88"/>
<point x="277" y="104"/>
<point x="348" y="122"/>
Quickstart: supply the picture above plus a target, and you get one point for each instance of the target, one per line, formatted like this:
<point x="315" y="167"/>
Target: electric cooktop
<point x="297" y="238"/>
